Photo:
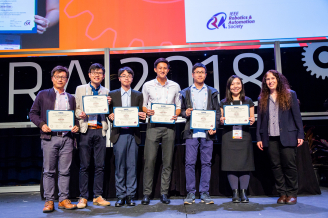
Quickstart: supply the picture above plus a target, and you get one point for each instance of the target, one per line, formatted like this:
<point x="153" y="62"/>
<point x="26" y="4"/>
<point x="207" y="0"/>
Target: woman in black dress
<point x="237" y="153"/>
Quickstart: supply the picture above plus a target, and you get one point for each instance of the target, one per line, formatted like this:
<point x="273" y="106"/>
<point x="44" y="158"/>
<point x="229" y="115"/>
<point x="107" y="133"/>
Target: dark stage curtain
<point x="261" y="183"/>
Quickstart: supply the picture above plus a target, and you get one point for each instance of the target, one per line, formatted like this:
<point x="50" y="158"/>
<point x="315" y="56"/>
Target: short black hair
<point x="199" y="65"/>
<point x="127" y="69"/>
<point x="161" y="60"/>
<point x="60" y="69"/>
<point x="96" y="66"/>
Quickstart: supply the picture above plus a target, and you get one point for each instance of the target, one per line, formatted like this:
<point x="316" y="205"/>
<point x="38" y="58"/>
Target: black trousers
<point x="283" y="165"/>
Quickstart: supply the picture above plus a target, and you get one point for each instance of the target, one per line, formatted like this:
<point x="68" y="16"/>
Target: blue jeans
<point x="205" y="149"/>
<point x="92" y="142"/>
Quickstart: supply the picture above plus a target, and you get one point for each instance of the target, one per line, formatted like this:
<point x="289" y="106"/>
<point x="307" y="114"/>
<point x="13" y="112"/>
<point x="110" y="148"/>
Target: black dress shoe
<point x="145" y="200"/>
<point x="130" y="201"/>
<point x="164" y="199"/>
<point x="235" y="196"/>
<point x="243" y="196"/>
<point x="120" y="202"/>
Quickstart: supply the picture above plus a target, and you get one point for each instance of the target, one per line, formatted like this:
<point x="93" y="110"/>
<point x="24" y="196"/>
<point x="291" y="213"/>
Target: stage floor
<point x="30" y="205"/>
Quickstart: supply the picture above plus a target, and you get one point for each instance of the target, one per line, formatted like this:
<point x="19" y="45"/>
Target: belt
<point x="95" y="127"/>
<point x="61" y="134"/>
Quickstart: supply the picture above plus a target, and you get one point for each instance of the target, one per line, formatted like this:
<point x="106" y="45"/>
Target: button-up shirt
<point x="62" y="100"/>
<point x="154" y="92"/>
<point x="95" y="91"/>
<point x="199" y="102"/>
<point x="273" y="118"/>
<point x="126" y="98"/>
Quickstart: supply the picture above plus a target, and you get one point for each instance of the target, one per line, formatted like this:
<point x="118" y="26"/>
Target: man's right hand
<point x="45" y="128"/>
<point x="111" y="116"/>
<point x="83" y="115"/>
<point x="188" y="112"/>
<point x="150" y="112"/>
<point x="109" y="99"/>
<point x="260" y="145"/>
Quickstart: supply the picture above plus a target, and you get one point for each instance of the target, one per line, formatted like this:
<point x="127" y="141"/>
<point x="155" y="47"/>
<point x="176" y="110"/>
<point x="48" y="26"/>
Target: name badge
<point x="237" y="132"/>
<point x="92" y="120"/>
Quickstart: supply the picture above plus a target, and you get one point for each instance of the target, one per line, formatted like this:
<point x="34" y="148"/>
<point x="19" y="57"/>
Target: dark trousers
<point x="57" y="150"/>
<point x="165" y="135"/>
<point x="205" y="149"/>
<point x="283" y="165"/>
<point x="92" y="142"/>
<point x="126" y="157"/>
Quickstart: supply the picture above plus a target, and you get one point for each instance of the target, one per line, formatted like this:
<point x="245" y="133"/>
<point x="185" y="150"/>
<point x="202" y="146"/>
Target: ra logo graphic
<point x="216" y="21"/>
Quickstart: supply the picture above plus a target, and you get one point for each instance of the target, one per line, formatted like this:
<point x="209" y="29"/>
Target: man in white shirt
<point x="165" y="91"/>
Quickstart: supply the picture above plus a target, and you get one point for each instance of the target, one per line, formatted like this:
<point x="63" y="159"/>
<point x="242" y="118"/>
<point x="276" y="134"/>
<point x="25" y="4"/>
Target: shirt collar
<point x="158" y="83"/>
<point x="128" y="92"/>
<point x="271" y="99"/>
<point x="57" y="93"/>
<point x="193" y="86"/>
<point x="93" y="88"/>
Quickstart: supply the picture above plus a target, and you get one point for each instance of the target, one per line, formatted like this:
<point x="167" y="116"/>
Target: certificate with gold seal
<point x="203" y="119"/>
<point x="60" y="120"/>
<point x="236" y="114"/>
<point x="126" y="117"/>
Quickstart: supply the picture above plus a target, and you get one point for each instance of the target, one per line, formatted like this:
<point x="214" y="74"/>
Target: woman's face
<point x="271" y="81"/>
<point x="236" y="86"/>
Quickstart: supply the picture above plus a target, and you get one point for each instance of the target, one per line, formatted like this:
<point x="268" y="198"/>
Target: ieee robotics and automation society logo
<point x="234" y="21"/>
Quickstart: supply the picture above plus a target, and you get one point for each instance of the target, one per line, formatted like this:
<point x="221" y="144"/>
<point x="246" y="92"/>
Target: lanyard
<point x="194" y="100"/>
<point x="66" y="101"/>
<point x="156" y="92"/>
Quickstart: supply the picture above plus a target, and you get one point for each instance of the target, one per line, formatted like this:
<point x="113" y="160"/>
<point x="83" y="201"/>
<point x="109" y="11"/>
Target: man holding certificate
<point x="57" y="146"/>
<point x="92" y="109"/>
<point x="166" y="93"/>
<point x="198" y="103"/>
<point x="125" y="136"/>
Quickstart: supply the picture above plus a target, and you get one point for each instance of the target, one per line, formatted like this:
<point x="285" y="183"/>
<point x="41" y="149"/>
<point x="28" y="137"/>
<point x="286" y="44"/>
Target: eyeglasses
<point x="97" y="73"/>
<point x="60" y="77"/>
<point x="199" y="72"/>
<point x="127" y="77"/>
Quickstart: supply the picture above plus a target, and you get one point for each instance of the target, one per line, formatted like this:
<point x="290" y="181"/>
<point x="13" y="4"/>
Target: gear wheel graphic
<point x="309" y="62"/>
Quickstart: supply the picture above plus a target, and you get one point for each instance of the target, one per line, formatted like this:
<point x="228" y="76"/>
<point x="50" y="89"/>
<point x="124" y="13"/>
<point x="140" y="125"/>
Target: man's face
<point x="199" y="75"/>
<point x="126" y="79"/>
<point x="96" y="76"/>
<point x="59" y="79"/>
<point x="161" y="70"/>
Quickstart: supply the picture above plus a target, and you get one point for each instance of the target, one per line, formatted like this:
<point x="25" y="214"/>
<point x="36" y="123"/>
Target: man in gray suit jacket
<point x="125" y="139"/>
<point x="93" y="130"/>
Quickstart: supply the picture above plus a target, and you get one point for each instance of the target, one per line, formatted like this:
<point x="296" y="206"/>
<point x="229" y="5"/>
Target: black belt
<point x="60" y="134"/>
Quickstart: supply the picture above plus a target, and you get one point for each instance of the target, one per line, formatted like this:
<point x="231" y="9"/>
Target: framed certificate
<point x="18" y="16"/>
<point x="126" y="117"/>
<point x="95" y="104"/>
<point x="60" y="120"/>
<point x="203" y="119"/>
<point x="236" y="114"/>
<point x="163" y="113"/>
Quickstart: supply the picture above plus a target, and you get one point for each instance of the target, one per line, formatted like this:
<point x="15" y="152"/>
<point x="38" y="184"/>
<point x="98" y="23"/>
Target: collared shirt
<point x="61" y="103"/>
<point x="62" y="100"/>
<point x="126" y="98"/>
<point x="154" y="92"/>
<point x="199" y="102"/>
<point x="95" y="91"/>
<point x="273" y="118"/>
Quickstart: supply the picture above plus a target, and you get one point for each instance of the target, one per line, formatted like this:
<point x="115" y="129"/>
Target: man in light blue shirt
<point x="201" y="97"/>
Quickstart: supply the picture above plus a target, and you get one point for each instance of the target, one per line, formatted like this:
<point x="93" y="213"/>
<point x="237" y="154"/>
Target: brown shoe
<point x="66" y="204"/>
<point x="291" y="200"/>
<point x="83" y="203"/>
<point x="282" y="199"/>
<point x="100" y="201"/>
<point x="48" y="207"/>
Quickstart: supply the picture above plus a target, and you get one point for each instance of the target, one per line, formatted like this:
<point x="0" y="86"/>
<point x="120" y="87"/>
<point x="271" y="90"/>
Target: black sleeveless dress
<point x="237" y="154"/>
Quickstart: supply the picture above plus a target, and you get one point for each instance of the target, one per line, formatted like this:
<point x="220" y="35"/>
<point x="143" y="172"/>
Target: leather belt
<point x="57" y="134"/>
<point x="95" y="127"/>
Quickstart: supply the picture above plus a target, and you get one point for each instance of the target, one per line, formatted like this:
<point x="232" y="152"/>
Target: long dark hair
<point x="283" y="91"/>
<point x="228" y="97"/>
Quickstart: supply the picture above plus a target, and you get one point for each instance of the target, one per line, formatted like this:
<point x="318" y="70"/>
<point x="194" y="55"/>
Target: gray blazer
<point x="80" y="91"/>
<point x="136" y="101"/>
